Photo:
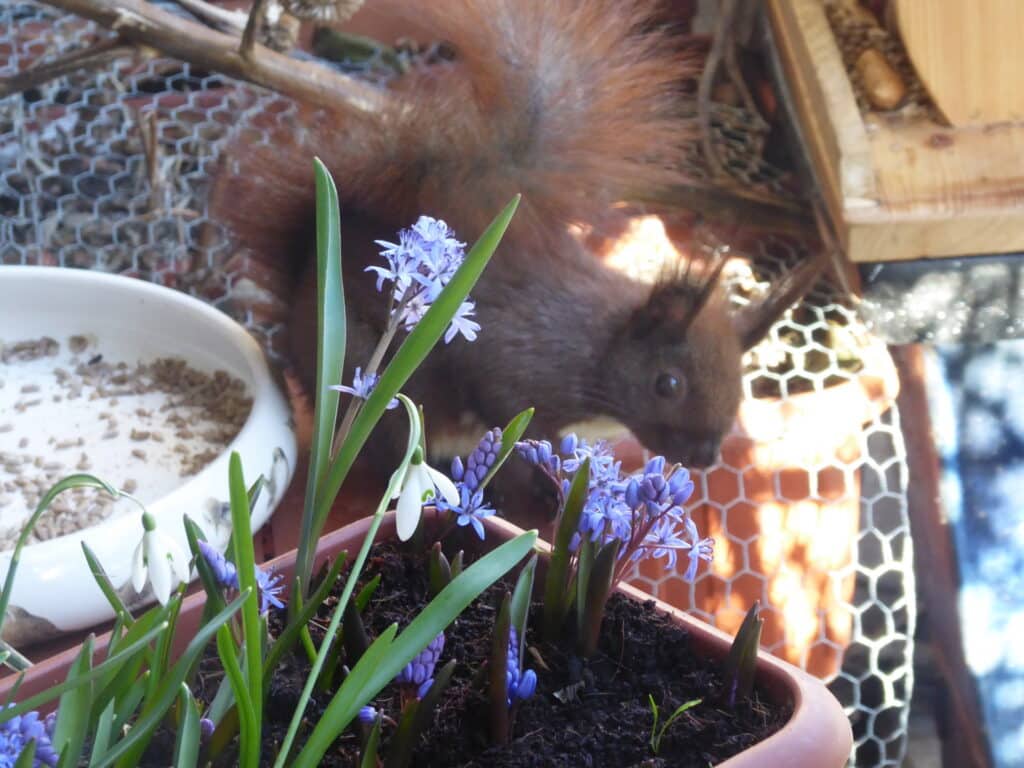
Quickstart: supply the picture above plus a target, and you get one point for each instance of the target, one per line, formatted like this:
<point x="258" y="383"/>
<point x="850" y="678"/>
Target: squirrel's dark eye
<point x="667" y="385"/>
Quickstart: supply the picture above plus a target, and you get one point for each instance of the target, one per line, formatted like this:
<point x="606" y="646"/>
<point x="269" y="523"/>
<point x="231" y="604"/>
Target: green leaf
<point x="740" y="665"/>
<point x="132" y="746"/>
<point x="113" y="663"/>
<point x="69" y="482"/>
<point x="439" y="570"/>
<point x="556" y="585"/>
<point x="186" y="748"/>
<point x="331" y="334"/>
<point x="374" y="671"/>
<point x="125" y="708"/>
<point x="369" y="758"/>
<point x="509" y="437"/>
<point x="417" y="345"/>
<point x="656" y="740"/>
<point x="74" y="711"/>
<point x="653" y="741"/>
<point x="602" y="577"/>
<point x="103" y="732"/>
<point x="497" y="687"/>
<point x="584" y="565"/>
<point x="249" y="729"/>
<point x="521" y="597"/>
<point x="416" y="717"/>
<point x="27" y="758"/>
<point x="108" y="589"/>
<point x="366" y="593"/>
<point x="252" y="627"/>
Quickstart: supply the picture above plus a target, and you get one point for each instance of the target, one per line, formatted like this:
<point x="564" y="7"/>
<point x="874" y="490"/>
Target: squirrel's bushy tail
<point x="577" y="104"/>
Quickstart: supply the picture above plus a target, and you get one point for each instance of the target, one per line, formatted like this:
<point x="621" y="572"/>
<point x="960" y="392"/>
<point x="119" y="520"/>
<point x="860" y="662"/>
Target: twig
<point x="151" y="149"/>
<point x="93" y="57"/>
<point x="252" y="26"/>
<point x="144" y="23"/>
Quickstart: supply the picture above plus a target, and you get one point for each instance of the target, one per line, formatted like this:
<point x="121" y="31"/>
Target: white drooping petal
<point x="410" y="503"/>
<point x="179" y="562"/>
<point x="139" y="566"/>
<point x="444" y="485"/>
<point x="158" y="563"/>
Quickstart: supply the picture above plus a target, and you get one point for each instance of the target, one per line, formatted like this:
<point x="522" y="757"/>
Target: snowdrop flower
<point x="160" y="560"/>
<point x="420" y="484"/>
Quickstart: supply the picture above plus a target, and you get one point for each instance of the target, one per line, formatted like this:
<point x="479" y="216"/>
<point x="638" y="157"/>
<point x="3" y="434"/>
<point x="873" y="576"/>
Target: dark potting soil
<point x="585" y="712"/>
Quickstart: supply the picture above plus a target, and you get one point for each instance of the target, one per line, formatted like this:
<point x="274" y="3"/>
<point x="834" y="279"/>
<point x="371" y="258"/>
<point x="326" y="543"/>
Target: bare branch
<point x="93" y="57"/>
<point x="146" y="24"/>
<point x="224" y="20"/>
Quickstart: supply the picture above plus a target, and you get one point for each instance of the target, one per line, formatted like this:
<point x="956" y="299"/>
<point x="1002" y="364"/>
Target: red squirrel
<point x="578" y="105"/>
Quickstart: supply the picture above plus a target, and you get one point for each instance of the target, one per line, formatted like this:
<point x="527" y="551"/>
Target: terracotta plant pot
<point x="783" y="505"/>
<point x="816" y="736"/>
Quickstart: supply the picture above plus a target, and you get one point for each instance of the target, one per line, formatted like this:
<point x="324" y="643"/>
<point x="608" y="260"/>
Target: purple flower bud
<point x="223" y="569"/>
<point x="633" y="493"/>
<point x="367" y="715"/>
<point x="544" y="451"/>
<point x="421" y="668"/>
<point x="680" y="486"/>
<point x="527" y="685"/>
<point x="206" y="727"/>
<point x="424" y="688"/>
<point x="569" y="443"/>
<point x="457" y="469"/>
<point x="655" y="466"/>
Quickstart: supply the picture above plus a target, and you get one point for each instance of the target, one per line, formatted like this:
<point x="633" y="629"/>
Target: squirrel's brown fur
<point x="576" y="104"/>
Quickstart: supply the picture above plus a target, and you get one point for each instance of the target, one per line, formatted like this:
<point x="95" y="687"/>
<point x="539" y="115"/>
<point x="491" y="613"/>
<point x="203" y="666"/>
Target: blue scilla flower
<point x="538" y="453"/>
<point x="419" y="266"/>
<point x="367" y="715"/>
<point x="421" y="668"/>
<point x="519" y="684"/>
<point x="362" y="386"/>
<point x="482" y="458"/>
<point x="223" y="569"/>
<point x="271" y="586"/>
<point x="470" y="510"/>
<point x="16" y="734"/>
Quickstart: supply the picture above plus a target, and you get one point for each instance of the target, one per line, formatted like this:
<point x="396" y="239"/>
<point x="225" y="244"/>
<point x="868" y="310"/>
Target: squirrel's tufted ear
<point x="680" y="295"/>
<point x="753" y="321"/>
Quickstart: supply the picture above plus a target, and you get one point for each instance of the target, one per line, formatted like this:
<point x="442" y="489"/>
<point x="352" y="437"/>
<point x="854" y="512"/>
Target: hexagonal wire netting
<point x="110" y="170"/>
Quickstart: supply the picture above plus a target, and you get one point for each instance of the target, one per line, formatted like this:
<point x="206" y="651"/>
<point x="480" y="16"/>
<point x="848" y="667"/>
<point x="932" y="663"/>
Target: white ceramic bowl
<point x="134" y="321"/>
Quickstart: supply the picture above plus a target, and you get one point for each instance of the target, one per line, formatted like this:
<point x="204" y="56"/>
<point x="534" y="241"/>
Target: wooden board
<point x="968" y="55"/>
<point x="897" y="187"/>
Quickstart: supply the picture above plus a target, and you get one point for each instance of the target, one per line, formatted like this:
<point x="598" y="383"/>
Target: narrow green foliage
<point x="740" y="666"/>
<point x="521" y="597"/>
<point x="416" y="718"/>
<point x="129" y="750"/>
<point x="73" y="711"/>
<point x="331" y="334"/>
<point x="497" y="665"/>
<point x="366" y="593"/>
<point x="213" y="589"/>
<point x="602" y="576"/>
<point x="371" y="746"/>
<point x="514" y="430"/>
<point x="378" y="668"/>
<point x="439" y="570"/>
<point x="248" y="728"/>
<point x="656" y="734"/>
<point x="27" y="758"/>
<point x="105" y="585"/>
<point x="457" y="563"/>
<point x="557" y="592"/>
<point x="253" y="631"/>
<point x="186" y="748"/>
<point x="354" y="636"/>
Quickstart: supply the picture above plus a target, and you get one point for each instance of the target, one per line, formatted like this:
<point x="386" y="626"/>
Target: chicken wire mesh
<point x="111" y="169"/>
